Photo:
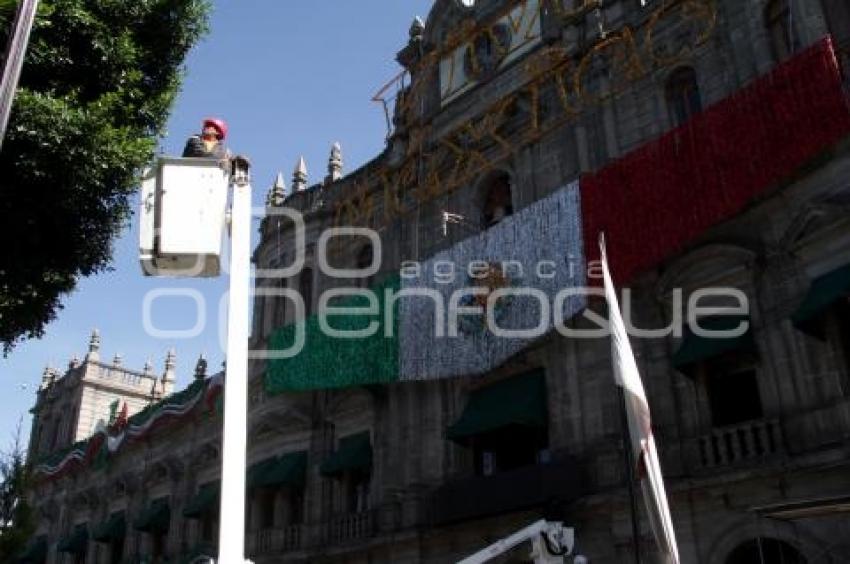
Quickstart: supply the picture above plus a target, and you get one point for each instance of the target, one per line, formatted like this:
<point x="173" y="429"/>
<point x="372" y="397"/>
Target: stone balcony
<point x="739" y="445"/>
<point x="349" y="528"/>
<point x="339" y="531"/>
<point x="275" y="540"/>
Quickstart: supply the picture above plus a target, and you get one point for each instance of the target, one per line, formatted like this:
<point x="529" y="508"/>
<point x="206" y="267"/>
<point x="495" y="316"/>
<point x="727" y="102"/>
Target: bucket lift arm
<point x="551" y="542"/>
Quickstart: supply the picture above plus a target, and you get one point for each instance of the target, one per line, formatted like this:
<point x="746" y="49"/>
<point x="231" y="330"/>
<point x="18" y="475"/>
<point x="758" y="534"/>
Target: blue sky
<point x="290" y="78"/>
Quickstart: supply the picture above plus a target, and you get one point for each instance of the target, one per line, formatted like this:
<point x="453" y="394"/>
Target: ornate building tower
<point x="71" y="406"/>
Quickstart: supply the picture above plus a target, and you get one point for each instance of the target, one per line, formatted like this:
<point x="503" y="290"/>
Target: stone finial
<point x="334" y="164"/>
<point x="299" y="177"/>
<point x="170" y="374"/>
<point x="148" y="369"/>
<point x="201" y="368"/>
<point x="46" y="378"/>
<point x="277" y="193"/>
<point x="117" y="361"/>
<point x="417" y="29"/>
<point x="94" y="346"/>
<point x="170" y="359"/>
<point x="74" y="362"/>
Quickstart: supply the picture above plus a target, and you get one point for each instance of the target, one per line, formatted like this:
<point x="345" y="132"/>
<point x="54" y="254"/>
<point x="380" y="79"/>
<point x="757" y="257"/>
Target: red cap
<point x="219" y="126"/>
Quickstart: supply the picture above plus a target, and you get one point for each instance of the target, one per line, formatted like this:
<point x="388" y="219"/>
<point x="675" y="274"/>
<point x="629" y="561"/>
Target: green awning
<point x="36" y="552"/>
<point x="518" y="401"/>
<point x="113" y="529"/>
<point x="696" y="348"/>
<point x="77" y="542"/>
<point x="205" y="500"/>
<point x="257" y="471"/>
<point x="155" y="519"/>
<point x="287" y="470"/>
<point x="354" y="453"/>
<point x="823" y="292"/>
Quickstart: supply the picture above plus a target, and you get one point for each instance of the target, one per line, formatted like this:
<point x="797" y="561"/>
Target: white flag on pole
<point x="640" y="428"/>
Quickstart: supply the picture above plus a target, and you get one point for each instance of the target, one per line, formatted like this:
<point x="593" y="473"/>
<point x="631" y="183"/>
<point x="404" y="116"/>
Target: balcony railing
<point x="270" y="541"/>
<point x="526" y="488"/>
<point x="351" y="527"/>
<point x="740" y="444"/>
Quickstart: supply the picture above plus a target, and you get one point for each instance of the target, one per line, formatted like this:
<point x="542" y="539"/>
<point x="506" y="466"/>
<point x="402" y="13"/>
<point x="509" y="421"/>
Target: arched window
<point x="780" y="28"/>
<point x="498" y="200"/>
<point x="305" y="287"/>
<point x="765" y="550"/>
<point x="683" y="98"/>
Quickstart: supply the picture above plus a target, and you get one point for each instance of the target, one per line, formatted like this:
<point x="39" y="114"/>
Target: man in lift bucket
<point x="210" y="143"/>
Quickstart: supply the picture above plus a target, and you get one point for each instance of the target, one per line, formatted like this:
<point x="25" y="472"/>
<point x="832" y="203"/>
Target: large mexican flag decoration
<point x="652" y="204"/>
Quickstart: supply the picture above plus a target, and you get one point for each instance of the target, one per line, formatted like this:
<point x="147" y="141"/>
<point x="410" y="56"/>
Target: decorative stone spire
<point x="94" y="346"/>
<point x="299" y="177"/>
<point x="46" y="378"/>
<point x="417" y="30"/>
<point x="74" y="362"/>
<point x="201" y="368"/>
<point x="334" y="164"/>
<point x="117" y="361"/>
<point x="170" y="366"/>
<point x="148" y="369"/>
<point x="277" y="194"/>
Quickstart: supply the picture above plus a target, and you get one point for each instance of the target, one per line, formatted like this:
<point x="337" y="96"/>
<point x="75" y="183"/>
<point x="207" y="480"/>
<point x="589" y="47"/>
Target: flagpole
<point x="640" y="445"/>
<point x="630" y="465"/>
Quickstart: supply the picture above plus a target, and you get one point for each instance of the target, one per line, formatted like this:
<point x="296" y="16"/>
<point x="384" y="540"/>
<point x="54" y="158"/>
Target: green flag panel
<point x="332" y="362"/>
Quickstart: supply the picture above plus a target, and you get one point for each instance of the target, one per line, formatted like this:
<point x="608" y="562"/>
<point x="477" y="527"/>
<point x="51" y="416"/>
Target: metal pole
<point x="630" y="469"/>
<point x="231" y="540"/>
<point x="17" y="48"/>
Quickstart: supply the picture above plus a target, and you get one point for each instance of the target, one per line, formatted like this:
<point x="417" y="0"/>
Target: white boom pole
<point x="561" y="538"/>
<point x="231" y="547"/>
<point x="18" y="41"/>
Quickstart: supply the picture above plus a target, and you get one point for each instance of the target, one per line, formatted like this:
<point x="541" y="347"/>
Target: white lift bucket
<point x="182" y="217"/>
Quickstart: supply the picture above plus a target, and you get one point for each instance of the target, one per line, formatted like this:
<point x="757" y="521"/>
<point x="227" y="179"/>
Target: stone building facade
<point x="753" y="433"/>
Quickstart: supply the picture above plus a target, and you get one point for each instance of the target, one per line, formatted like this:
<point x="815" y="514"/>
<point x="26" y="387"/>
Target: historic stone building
<point x="708" y="140"/>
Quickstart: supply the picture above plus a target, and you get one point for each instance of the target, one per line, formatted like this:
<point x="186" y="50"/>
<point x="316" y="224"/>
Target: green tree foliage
<point x="97" y="86"/>
<point x="17" y="522"/>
